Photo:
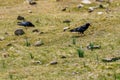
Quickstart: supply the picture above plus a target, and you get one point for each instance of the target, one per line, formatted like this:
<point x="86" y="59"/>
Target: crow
<point x="81" y="29"/>
<point x="26" y="24"/>
<point x="20" y="18"/>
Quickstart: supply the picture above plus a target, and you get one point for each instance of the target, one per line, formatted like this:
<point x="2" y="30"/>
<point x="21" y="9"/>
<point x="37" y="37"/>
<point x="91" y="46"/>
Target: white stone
<point x="86" y="2"/>
<point x="99" y="13"/>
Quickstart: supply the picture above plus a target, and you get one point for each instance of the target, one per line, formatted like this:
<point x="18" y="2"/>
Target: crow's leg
<point x="79" y="33"/>
<point x="25" y="28"/>
<point x="82" y="33"/>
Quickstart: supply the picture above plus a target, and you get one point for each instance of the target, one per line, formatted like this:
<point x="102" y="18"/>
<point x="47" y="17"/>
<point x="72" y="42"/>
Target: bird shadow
<point x="78" y="36"/>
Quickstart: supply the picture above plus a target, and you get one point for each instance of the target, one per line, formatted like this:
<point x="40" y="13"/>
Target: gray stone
<point x="80" y="6"/>
<point x="36" y="62"/>
<point x="35" y="30"/>
<point x="53" y="62"/>
<point x="2" y="38"/>
<point x="63" y="56"/>
<point x="9" y="44"/>
<point x="38" y="43"/>
<point x="111" y="59"/>
<point x="19" y="32"/>
<point x="86" y="1"/>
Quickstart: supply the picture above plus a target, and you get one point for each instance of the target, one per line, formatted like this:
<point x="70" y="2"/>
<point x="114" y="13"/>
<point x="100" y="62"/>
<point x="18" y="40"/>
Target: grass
<point x="48" y="17"/>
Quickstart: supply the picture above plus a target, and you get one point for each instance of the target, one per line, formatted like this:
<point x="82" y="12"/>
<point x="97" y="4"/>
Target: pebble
<point x="9" y="44"/>
<point x="86" y="2"/>
<point x="2" y="38"/>
<point x="99" y="13"/>
<point x="36" y="62"/>
<point x="38" y="43"/>
<point x="111" y="59"/>
<point x="29" y="11"/>
<point x="5" y="55"/>
<point x="35" y="30"/>
<point x="53" y="62"/>
<point x="94" y="47"/>
<point x="80" y="6"/>
<point x="63" y="56"/>
<point x="66" y="21"/>
<point x="65" y="28"/>
<point x="19" y="32"/>
<point x="90" y="9"/>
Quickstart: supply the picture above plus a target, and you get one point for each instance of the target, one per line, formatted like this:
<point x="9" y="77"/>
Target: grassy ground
<point x="48" y="17"/>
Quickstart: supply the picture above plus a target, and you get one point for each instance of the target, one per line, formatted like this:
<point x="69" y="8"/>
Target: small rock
<point x="64" y="9"/>
<point x="53" y="62"/>
<point x="29" y="11"/>
<point x="32" y="3"/>
<point x="66" y="21"/>
<point x="9" y="44"/>
<point x="90" y="9"/>
<point x="36" y="62"/>
<point x="5" y="55"/>
<point x="41" y="32"/>
<point x="6" y="33"/>
<point x="101" y="6"/>
<point x="93" y="47"/>
<point x="19" y="32"/>
<point x="38" y="43"/>
<point x="111" y="59"/>
<point x="57" y="0"/>
<point x="99" y="13"/>
<point x="20" y="18"/>
<point x="100" y="0"/>
<point x="75" y="73"/>
<point x="65" y="28"/>
<point x="86" y="2"/>
<point x="80" y="6"/>
<point x="2" y="38"/>
<point x="35" y="30"/>
<point x="63" y="56"/>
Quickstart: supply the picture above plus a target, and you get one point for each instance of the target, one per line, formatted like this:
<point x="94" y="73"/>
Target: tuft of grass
<point x="31" y="55"/>
<point x="80" y="52"/>
<point x="3" y="64"/>
<point x="91" y="46"/>
<point x="11" y="76"/>
<point x="27" y="43"/>
<point x="73" y="41"/>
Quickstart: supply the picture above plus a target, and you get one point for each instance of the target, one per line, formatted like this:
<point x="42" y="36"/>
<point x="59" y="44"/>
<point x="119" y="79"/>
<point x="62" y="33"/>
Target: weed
<point x="3" y="64"/>
<point x="91" y="46"/>
<point x="31" y="55"/>
<point x="80" y="52"/>
<point x="10" y="76"/>
<point x="74" y="41"/>
<point x="27" y="43"/>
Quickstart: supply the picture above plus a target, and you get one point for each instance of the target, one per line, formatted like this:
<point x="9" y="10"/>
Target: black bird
<point x="26" y="24"/>
<point x="20" y="18"/>
<point x="81" y="29"/>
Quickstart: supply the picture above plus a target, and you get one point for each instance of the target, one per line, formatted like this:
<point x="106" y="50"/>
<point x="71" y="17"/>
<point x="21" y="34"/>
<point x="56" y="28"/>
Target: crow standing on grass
<point x="81" y="29"/>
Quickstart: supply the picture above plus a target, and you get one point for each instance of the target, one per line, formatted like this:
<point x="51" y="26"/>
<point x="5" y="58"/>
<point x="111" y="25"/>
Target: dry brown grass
<point x="104" y="31"/>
